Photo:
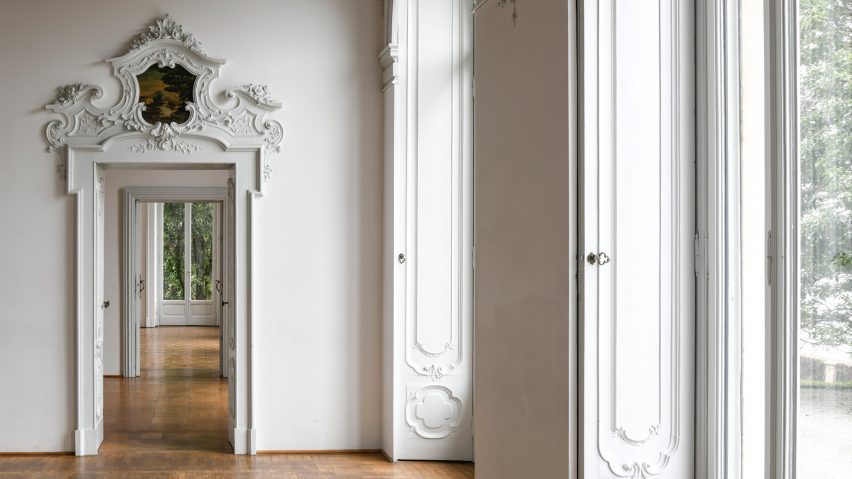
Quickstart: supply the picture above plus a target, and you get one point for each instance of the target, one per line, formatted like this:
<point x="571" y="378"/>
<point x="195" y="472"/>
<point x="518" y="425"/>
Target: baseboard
<point x="56" y="453"/>
<point x="386" y="455"/>
<point x="324" y="451"/>
<point x="86" y="442"/>
<point x="245" y="441"/>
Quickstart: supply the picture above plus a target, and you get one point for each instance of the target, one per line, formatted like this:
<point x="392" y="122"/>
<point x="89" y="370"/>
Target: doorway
<point x="177" y="370"/>
<point x="193" y="272"/>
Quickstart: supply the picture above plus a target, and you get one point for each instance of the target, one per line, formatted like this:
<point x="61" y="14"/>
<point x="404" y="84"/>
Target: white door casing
<point x="153" y="245"/>
<point x="428" y="305"/>
<point x="100" y="304"/>
<point x="638" y="197"/>
<point x="238" y="135"/>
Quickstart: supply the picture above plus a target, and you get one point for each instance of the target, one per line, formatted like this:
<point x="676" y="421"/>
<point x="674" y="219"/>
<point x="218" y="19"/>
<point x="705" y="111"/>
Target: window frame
<point x="782" y="237"/>
<point x="717" y="240"/>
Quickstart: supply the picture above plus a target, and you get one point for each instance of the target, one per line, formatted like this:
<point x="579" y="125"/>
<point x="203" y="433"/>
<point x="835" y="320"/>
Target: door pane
<point x="173" y="251"/>
<point x="824" y="422"/>
<point x="202" y="250"/>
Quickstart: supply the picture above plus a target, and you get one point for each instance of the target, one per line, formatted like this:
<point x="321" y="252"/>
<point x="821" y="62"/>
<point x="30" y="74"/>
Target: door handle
<point x="599" y="258"/>
<point x="224" y="302"/>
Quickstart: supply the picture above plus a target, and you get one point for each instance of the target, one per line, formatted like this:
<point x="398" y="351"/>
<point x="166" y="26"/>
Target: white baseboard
<point x="245" y="441"/>
<point x="86" y="442"/>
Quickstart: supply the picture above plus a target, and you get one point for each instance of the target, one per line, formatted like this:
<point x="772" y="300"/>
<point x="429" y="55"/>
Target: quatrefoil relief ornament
<point x="433" y="412"/>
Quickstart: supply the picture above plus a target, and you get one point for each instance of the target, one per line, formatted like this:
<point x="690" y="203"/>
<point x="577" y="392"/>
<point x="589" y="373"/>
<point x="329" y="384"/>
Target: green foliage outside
<point x="173" y="250"/>
<point x="825" y="107"/>
<point x="202" y="250"/>
<point x="201" y="264"/>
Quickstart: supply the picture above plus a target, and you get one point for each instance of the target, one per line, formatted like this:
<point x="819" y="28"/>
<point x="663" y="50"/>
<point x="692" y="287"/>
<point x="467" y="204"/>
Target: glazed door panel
<point x="190" y="241"/>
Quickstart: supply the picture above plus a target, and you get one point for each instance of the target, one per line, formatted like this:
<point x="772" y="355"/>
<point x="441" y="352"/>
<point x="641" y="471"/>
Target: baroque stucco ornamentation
<point x="242" y="123"/>
<point x="165" y="28"/>
<point x="432" y="411"/>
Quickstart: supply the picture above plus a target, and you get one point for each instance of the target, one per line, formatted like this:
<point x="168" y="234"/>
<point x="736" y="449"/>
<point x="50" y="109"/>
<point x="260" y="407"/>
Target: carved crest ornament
<point x="165" y="101"/>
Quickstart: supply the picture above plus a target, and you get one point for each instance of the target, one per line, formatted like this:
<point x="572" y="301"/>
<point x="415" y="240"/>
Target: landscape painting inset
<point x="165" y="91"/>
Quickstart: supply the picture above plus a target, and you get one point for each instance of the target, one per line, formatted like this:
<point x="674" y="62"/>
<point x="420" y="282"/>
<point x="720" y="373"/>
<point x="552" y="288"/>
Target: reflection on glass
<point x="824" y="420"/>
<point x="202" y="250"/>
<point x="173" y="251"/>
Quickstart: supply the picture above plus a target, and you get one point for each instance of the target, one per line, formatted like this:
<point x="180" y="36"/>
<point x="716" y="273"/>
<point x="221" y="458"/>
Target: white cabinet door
<point x="638" y="206"/>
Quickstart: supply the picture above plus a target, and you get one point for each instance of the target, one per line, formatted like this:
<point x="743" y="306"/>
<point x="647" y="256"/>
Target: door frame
<point x="84" y="180"/>
<point x="130" y="324"/>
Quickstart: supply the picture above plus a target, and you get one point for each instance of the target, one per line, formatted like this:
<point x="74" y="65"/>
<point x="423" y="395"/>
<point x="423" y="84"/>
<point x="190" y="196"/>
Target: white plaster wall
<point x="524" y="294"/>
<point x="318" y="276"/>
<point x="115" y="181"/>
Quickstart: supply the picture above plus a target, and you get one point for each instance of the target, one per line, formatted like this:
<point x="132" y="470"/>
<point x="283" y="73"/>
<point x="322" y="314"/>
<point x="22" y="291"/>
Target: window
<point x="824" y="344"/>
<point x="173" y="251"/>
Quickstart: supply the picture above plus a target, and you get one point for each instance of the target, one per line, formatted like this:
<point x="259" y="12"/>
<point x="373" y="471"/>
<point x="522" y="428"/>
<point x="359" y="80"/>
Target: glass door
<point x="190" y="264"/>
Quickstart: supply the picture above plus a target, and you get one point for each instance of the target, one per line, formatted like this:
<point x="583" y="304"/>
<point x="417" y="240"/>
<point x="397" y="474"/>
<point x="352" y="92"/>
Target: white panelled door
<point x="190" y="266"/>
<point x="432" y="261"/>
<point x="638" y="273"/>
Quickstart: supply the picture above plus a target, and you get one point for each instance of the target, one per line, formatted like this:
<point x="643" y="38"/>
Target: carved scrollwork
<point x="260" y="93"/>
<point x="165" y="29"/>
<point x="68" y="94"/>
<point x="165" y="44"/>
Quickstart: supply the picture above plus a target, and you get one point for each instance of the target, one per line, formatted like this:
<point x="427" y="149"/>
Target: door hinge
<point x="696" y="254"/>
<point x="770" y="254"/>
<point x="579" y="264"/>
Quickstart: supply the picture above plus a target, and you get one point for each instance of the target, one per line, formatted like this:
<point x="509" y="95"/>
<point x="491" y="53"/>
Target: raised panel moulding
<point x="639" y="335"/>
<point x="436" y="188"/>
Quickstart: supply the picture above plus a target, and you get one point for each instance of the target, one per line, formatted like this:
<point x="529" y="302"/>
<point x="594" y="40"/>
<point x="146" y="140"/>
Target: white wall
<point x="523" y="287"/>
<point x="115" y="181"/>
<point x="317" y="315"/>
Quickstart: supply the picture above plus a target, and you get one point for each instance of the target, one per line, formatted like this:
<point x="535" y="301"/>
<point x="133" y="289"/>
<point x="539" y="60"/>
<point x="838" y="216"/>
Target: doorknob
<point x="599" y="258"/>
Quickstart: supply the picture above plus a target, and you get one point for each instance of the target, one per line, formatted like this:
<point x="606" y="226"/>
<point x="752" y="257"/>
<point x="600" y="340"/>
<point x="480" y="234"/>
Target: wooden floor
<point x="172" y="422"/>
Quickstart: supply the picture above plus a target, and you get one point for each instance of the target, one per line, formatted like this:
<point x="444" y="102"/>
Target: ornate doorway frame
<point x="90" y="138"/>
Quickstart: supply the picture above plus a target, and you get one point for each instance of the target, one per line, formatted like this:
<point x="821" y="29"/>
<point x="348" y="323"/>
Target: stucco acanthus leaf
<point x="259" y="93"/>
<point x="165" y="29"/>
<point x="68" y="94"/>
<point x="243" y="123"/>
